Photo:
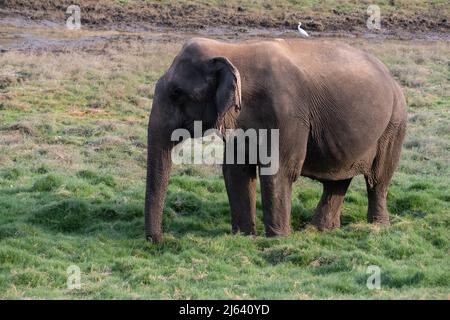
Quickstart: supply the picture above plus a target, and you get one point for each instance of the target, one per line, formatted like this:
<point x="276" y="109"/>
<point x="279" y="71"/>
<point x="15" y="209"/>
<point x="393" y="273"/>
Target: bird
<point x="303" y="33"/>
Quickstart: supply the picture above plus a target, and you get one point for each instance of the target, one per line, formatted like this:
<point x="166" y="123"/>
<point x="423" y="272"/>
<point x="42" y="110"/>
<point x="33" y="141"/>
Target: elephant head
<point x="198" y="86"/>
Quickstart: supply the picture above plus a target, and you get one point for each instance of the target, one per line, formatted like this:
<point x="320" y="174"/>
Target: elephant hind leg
<point x="383" y="167"/>
<point x="377" y="194"/>
<point x="328" y="211"/>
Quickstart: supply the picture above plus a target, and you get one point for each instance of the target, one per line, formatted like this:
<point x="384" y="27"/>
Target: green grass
<point x="72" y="173"/>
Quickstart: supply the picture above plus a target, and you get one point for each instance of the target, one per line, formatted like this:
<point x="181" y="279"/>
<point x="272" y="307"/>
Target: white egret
<point x="303" y="33"/>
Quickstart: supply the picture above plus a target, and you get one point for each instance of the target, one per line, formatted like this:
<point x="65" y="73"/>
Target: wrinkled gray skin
<point x="339" y="112"/>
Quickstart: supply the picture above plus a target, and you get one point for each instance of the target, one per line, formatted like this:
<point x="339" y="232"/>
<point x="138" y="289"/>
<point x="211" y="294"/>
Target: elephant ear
<point x="228" y="92"/>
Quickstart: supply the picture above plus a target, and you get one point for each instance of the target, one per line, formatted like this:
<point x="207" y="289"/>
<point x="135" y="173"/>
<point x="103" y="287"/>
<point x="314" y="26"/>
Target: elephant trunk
<point x="159" y="164"/>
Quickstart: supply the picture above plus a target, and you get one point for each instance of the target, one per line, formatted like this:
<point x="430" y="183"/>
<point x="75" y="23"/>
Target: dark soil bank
<point x="192" y="15"/>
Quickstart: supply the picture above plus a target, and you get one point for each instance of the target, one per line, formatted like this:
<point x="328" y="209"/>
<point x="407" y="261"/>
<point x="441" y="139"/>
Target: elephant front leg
<point x="276" y="193"/>
<point x="240" y="182"/>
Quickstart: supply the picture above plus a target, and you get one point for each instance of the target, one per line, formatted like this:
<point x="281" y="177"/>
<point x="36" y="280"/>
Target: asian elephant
<point x="338" y="110"/>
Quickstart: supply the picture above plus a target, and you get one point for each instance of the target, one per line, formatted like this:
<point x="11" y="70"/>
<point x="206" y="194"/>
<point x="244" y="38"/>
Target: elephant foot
<point x="243" y="224"/>
<point x="381" y="218"/>
<point x="155" y="238"/>
<point x="277" y="232"/>
<point x="325" y="222"/>
<point x="244" y="231"/>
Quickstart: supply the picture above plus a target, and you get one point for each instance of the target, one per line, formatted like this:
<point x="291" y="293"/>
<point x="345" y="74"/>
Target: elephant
<point x="338" y="110"/>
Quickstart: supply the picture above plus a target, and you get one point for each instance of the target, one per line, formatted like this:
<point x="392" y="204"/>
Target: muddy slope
<point x="135" y="14"/>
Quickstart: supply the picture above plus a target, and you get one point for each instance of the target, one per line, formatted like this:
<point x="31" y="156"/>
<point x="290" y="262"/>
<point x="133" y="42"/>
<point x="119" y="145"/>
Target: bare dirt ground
<point x="21" y="33"/>
<point x="40" y="25"/>
<point x="194" y="15"/>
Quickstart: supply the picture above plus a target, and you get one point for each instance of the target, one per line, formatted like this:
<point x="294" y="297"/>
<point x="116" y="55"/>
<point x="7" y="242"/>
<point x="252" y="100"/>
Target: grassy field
<point x="72" y="169"/>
